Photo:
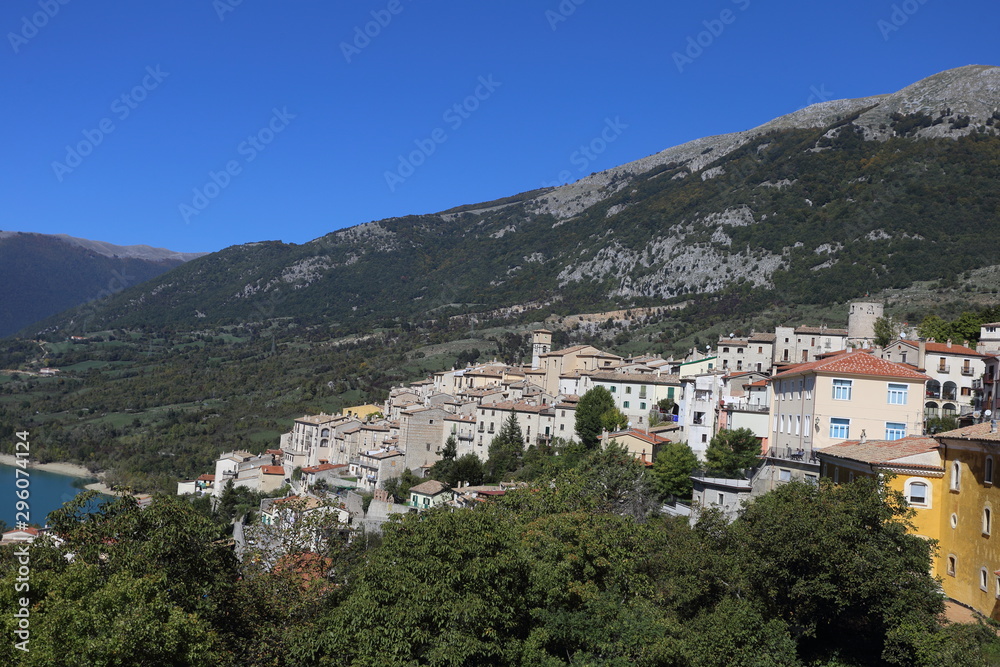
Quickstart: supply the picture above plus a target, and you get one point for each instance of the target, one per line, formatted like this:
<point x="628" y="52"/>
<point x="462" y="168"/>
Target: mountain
<point x="42" y="274"/>
<point x="818" y="206"/>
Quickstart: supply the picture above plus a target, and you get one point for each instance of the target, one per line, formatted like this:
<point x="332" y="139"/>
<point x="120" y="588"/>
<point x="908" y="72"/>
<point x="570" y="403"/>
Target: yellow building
<point x="361" y="412"/>
<point x="970" y="556"/>
<point x="916" y="470"/>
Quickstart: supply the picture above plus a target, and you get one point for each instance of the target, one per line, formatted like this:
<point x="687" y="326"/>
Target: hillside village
<point x="823" y="402"/>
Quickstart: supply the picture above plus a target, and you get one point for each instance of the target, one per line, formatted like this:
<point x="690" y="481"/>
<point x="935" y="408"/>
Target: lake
<point x="48" y="492"/>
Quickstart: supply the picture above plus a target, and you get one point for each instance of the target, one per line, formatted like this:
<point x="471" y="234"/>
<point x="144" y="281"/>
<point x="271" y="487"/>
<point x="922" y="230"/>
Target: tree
<point x="468" y="468"/>
<point x="442" y="469"/>
<point x="400" y="486"/>
<point x="506" y="450"/>
<point x="590" y="415"/>
<point x="887" y="329"/>
<point x="672" y="470"/>
<point x="732" y="451"/>
<point x="940" y="425"/>
<point x="846" y="563"/>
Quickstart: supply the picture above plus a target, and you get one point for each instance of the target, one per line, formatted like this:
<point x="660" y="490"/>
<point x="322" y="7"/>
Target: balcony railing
<point x="466" y="436"/>
<point x="966" y="371"/>
<point x="792" y="454"/>
<point x="943" y="368"/>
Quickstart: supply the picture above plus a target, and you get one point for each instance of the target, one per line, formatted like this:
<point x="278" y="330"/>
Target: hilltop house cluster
<point x="823" y="401"/>
<point x="798" y="389"/>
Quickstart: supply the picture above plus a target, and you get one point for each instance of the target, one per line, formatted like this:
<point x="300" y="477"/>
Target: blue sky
<point x="199" y="124"/>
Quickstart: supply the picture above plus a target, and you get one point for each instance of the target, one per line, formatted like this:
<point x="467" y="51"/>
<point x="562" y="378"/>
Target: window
<point x="798" y="423"/>
<point x="952" y="564"/>
<point x="902" y="357"/>
<point x="897" y="394"/>
<point x="812" y="478"/>
<point x="916" y="493"/>
<point x="988" y="472"/>
<point x="781" y="421"/>
<point x="628" y="390"/>
<point x="784" y="475"/>
<point x="956" y="475"/>
<point x="722" y="499"/>
<point x="625" y="405"/>
<point x="562" y="427"/>
<point x="842" y="390"/>
<point x="613" y="389"/>
<point x="840" y="428"/>
<point x="987" y="520"/>
<point x="895" y="430"/>
<point x="704" y="438"/>
<point x="642" y="406"/>
<point x="982" y="578"/>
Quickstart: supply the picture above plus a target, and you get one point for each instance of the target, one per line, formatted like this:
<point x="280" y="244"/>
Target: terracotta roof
<point x="761" y="338"/>
<point x="431" y="487"/>
<point x="272" y="470"/>
<point x="881" y="451"/>
<point x="758" y="383"/>
<point x="206" y="478"/>
<point x="942" y="348"/>
<point x="323" y="466"/>
<point x="973" y="432"/>
<point x="568" y="350"/>
<point x="516" y="407"/>
<point x="651" y="438"/>
<point x="854" y="363"/>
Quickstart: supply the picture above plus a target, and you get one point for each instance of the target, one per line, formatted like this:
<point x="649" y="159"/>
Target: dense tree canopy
<point x="730" y="452"/>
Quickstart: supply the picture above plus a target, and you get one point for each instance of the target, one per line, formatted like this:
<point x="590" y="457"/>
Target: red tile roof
<point x="855" y="363"/>
<point x="206" y="478"/>
<point x="272" y="470"/>
<point x="881" y="451"/>
<point x="979" y="431"/>
<point x="942" y="348"/>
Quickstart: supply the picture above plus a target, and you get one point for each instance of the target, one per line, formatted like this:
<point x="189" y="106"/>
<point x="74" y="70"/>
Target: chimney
<point x="949" y="342"/>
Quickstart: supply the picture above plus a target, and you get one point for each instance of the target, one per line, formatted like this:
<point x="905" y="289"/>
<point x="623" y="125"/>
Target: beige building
<point x="851" y="395"/>
<point x="635" y="394"/>
<point x="953" y="370"/>
<point x="536" y="422"/>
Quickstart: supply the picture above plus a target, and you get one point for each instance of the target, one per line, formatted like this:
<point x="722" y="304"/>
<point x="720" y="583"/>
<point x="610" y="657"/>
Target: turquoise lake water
<point x="48" y="491"/>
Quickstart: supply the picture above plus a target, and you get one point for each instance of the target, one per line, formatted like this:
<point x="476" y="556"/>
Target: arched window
<point x="982" y="578"/>
<point x="956" y="475"/>
<point x="917" y="493"/>
<point x="987" y="520"/>
<point x="988" y="472"/>
<point x="952" y="564"/>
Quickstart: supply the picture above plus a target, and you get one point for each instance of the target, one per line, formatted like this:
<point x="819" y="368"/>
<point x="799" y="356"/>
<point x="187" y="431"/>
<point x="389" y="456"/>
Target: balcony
<point x="792" y="454"/>
<point x="977" y="384"/>
<point x="943" y="368"/>
<point x="967" y="371"/>
<point x="468" y="437"/>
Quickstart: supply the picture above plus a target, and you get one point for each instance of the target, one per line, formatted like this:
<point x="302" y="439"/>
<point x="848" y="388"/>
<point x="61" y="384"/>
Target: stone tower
<point x="541" y="343"/>
<point x="861" y="321"/>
